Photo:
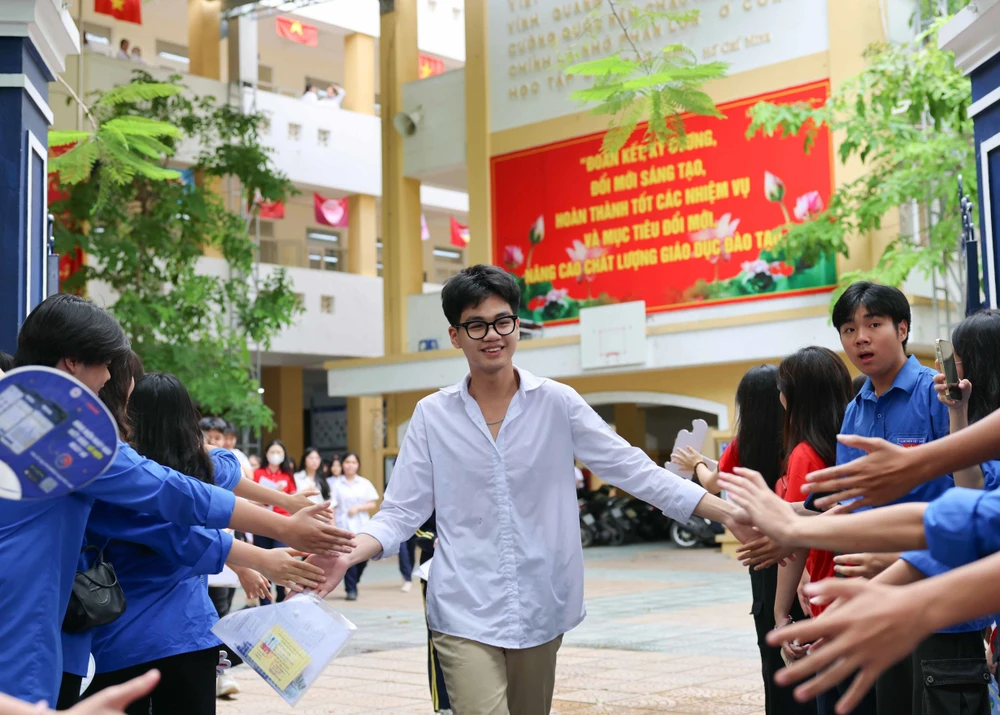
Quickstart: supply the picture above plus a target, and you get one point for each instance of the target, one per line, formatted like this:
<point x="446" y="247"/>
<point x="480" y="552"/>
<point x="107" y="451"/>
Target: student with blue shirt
<point x="897" y="403"/>
<point x="168" y="623"/>
<point x="40" y="541"/>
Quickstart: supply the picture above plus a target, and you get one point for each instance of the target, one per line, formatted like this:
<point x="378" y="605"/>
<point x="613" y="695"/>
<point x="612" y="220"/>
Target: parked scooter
<point x="697" y="531"/>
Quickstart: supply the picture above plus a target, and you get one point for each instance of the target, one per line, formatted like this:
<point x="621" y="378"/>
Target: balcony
<point x="340" y="311"/>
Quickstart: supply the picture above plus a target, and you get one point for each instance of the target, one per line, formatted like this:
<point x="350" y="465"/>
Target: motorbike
<point x="697" y="531"/>
<point x="597" y="526"/>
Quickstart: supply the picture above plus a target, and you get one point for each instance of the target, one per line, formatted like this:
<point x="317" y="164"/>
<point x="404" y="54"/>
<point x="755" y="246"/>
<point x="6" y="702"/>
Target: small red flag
<point x="428" y="66"/>
<point x="272" y="209"/>
<point x="459" y="234"/>
<point x="330" y="212"/>
<point x="297" y="31"/>
<point x="125" y="10"/>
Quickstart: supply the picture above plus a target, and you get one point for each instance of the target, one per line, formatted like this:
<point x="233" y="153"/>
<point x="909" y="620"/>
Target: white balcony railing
<point x="340" y="311"/>
<point x="315" y="143"/>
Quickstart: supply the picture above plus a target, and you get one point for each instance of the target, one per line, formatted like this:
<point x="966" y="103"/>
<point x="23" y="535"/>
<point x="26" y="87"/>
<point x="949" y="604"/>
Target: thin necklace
<point x="490" y="424"/>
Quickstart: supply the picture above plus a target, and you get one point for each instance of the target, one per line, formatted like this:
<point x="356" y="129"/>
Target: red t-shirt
<point x="801" y="462"/>
<point x="275" y="480"/>
<point x="730" y="458"/>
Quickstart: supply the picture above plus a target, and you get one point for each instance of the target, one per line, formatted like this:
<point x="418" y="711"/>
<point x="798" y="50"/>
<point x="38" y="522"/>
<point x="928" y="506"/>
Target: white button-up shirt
<point x="508" y="569"/>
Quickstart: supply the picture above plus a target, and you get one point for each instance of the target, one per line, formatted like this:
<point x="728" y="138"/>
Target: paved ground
<point x="667" y="631"/>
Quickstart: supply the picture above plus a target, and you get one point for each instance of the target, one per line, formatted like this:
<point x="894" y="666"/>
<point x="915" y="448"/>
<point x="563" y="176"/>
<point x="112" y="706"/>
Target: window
<point x="326" y="304"/>
<point x="447" y="262"/>
<point x="97" y="36"/>
<point x="323" y="137"/>
<point x="294" y="131"/>
<point x="326" y="250"/>
<point x="265" y="124"/>
<point x="177" y="54"/>
<point x="265" y="77"/>
<point x="301" y="299"/>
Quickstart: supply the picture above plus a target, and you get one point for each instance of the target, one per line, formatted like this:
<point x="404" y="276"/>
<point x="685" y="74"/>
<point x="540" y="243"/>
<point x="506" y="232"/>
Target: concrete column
<point x="204" y="30"/>
<point x="477" y="132"/>
<point x="243" y="52"/>
<point x="402" y="271"/>
<point x="283" y="394"/>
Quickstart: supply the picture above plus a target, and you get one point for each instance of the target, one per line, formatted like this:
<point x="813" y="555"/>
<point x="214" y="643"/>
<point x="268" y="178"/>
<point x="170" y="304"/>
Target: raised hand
<point x="686" y="458"/>
<point x="764" y="552"/>
<point x="885" y="474"/>
<point x="863" y="565"/>
<point x="254" y="584"/>
<point x="769" y="513"/>
<point x="876" y="627"/>
<point x="283" y="567"/>
<point x="307" y="531"/>
<point x="941" y="387"/>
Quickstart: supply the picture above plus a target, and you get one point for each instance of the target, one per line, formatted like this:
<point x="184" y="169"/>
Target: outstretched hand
<point x="885" y="474"/>
<point x="333" y="568"/>
<point x="768" y="512"/>
<point x="877" y="627"/>
<point x="308" y="531"/>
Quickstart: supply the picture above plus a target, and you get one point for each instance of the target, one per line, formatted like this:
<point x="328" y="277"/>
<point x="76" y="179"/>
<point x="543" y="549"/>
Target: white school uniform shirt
<point x="304" y="481"/>
<point x="508" y="569"/>
<point x="349" y="495"/>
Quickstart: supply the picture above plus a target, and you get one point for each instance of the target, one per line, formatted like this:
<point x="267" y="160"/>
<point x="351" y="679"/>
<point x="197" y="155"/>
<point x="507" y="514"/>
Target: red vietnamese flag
<point x="297" y="31"/>
<point x="459" y="234"/>
<point x="272" y="209"/>
<point x="330" y="212"/>
<point x="125" y="10"/>
<point x="428" y="66"/>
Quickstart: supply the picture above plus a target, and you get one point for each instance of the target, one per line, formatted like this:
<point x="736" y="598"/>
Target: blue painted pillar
<point x="35" y="38"/>
<point x="974" y="36"/>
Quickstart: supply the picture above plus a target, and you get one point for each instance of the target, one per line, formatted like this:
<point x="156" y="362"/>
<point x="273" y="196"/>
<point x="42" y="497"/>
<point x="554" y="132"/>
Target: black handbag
<point x="97" y="598"/>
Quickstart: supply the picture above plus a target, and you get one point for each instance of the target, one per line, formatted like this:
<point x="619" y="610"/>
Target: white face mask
<point x="275" y="459"/>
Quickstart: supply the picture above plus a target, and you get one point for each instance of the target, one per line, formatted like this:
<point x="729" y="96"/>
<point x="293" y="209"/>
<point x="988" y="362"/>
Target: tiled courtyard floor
<point x="667" y="631"/>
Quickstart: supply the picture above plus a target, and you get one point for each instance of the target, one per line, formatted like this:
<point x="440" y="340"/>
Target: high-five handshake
<point x="876" y="625"/>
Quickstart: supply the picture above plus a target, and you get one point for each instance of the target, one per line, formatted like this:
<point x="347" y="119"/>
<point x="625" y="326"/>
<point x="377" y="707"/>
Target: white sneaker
<point x="225" y="686"/>
<point x="407" y="585"/>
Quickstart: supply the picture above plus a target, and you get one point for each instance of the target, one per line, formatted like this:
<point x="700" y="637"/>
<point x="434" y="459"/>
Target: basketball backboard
<point x="612" y="335"/>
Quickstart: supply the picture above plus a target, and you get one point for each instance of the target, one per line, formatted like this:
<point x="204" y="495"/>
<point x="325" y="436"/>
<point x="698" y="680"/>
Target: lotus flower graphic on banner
<point x="330" y="212"/>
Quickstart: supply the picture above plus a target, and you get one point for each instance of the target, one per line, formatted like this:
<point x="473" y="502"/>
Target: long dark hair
<point x="115" y="393"/>
<point x="977" y="345"/>
<point x="165" y="426"/>
<point x="324" y="488"/>
<point x="758" y="423"/>
<point x="287" y="467"/>
<point x="817" y="388"/>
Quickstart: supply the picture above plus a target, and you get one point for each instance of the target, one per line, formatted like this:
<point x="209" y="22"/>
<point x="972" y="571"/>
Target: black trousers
<point x="777" y="700"/>
<point x="69" y="691"/>
<point x="435" y="676"/>
<point x="946" y="675"/>
<point x="186" y="687"/>
<point x="353" y="576"/>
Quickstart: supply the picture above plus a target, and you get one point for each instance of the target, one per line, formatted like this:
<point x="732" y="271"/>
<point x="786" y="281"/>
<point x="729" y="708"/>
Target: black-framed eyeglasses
<point x="478" y="329"/>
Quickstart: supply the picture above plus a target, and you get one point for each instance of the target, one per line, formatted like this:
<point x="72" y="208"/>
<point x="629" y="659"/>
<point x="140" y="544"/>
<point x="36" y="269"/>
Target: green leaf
<point x="137" y="92"/>
<point x="65" y="138"/>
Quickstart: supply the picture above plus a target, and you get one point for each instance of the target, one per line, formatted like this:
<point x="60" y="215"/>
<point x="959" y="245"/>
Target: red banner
<point x="428" y="66"/>
<point x="297" y="31"/>
<point x="272" y="209"/>
<point x="125" y="10"/>
<point x="673" y="226"/>
<point x="69" y="263"/>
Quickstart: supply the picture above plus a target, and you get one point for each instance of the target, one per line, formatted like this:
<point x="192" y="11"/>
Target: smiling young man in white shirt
<point x="493" y="456"/>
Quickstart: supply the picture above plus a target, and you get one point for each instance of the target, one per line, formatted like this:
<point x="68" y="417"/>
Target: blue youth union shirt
<point x="908" y="414"/>
<point x="165" y="549"/>
<point x="40" y="548"/>
<point x="929" y="566"/>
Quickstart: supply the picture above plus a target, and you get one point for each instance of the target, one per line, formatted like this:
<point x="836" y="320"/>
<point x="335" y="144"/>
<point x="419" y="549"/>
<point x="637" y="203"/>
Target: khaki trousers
<point x="486" y="680"/>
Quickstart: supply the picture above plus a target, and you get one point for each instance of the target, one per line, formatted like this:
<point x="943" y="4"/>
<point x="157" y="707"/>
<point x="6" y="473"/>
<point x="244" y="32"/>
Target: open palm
<point x="334" y="567"/>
